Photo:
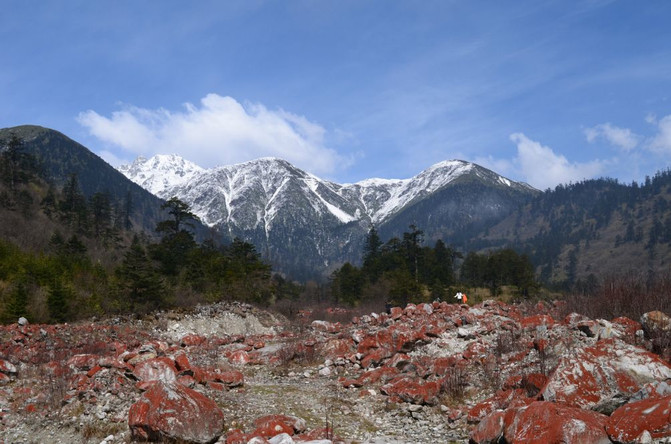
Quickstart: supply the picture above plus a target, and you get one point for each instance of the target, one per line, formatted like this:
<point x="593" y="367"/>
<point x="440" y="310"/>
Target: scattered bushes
<point x="628" y="295"/>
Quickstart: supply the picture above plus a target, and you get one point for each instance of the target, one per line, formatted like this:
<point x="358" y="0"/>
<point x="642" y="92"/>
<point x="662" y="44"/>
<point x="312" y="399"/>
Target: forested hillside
<point x="591" y="229"/>
<point x="65" y="255"/>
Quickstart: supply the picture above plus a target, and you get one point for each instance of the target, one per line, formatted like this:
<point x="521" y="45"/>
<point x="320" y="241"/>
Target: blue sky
<point x="546" y="92"/>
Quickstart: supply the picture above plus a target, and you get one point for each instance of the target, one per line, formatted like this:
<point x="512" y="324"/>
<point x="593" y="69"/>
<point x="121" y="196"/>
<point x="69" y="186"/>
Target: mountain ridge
<point x="301" y="222"/>
<point x="159" y="174"/>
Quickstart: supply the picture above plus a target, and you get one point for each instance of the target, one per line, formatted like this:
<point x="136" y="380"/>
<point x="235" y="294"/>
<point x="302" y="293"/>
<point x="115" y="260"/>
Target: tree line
<point x="405" y="270"/>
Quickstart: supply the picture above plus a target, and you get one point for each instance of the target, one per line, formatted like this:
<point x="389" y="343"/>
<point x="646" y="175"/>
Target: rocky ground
<point x="231" y="373"/>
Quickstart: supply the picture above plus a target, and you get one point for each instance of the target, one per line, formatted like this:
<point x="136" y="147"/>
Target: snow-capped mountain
<point x="295" y="218"/>
<point x="162" y="173"/>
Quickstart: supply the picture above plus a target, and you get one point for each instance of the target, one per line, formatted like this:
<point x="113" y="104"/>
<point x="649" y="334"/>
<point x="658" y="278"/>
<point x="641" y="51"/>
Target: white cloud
<point x="620" y="137"/>
<point x="218" y="132"/>
<point x="651" y="118"/>
<point x="661" y="142"/>
<point x="542" y="168"/>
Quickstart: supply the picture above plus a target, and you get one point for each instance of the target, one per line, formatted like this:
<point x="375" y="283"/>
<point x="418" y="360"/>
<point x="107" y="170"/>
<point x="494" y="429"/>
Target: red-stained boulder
<point x="604" y="376"/>
<point x="489" y="430"/>
<point x="230" y="378"/>
<point x="325" y="326"/>
<point x="382" y="374"/>
<point x="173" y="412"/>
<point x="236" y="436"/>
<point x="502" y="399"/>
<point x="627" y="423"/>
<point x="337" y="348"/>
<point x="7" y="367"/>
<point x="240" y="357"/>
<point x="272" y="425"/>
<point x="83" y="362"/>
<point x="546" y="422"/>
<point x="532" y="322"/>
<point x="396" y="313"/>
<point x="542" y="423"/>
<point x="375" y="357"/>
<point x="627" y="326"/>
<point x="182" y="362"/>
<point x="413" y="391"/>
<point x="192" y="340"/>
<point x="156" y="369"/>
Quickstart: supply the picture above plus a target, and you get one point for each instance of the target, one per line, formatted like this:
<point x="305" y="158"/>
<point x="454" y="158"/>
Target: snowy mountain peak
<point x="161" y="172"/>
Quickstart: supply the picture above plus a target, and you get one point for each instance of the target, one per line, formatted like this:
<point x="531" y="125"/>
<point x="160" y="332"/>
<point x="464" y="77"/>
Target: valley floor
<point x="419" y="374"/>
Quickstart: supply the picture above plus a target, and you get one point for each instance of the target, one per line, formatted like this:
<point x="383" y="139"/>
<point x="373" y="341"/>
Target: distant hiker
<point x="461" y="297"/>
<point x="387" y="307"/>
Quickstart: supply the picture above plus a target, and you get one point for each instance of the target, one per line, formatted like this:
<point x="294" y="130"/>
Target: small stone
<point x="23" y="321"/>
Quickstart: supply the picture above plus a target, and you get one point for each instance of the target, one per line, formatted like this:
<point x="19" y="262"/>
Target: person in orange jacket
<point x="461" y="297"/>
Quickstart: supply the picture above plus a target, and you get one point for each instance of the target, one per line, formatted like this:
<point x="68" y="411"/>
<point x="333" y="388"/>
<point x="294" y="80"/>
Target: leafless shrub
<point x="454" y="384"/>
<point x="492" y="372"/>
<point x="506" y="342"/>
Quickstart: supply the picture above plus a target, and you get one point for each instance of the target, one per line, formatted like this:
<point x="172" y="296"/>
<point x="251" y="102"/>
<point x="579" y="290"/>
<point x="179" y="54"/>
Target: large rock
<point x="628" y="423"/>
<point x="604" y="376"/>
<point x="156" y="369"/>
<point x="169" y="411"/>
<point x="655" y="321"/>
<point x="413" y="391"/>
<point x="542" y="422"/>
<point x="546" y="422"/>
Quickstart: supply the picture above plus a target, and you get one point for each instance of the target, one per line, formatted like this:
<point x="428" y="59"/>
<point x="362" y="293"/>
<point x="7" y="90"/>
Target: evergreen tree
<point x="73" y="206"/>
<point x="18" y="303"/>
<point x="411" y="244"/>
<point x="101" y="214"/>
<point x="139" y="280"/>
<point x="57" y="301"/>
<point x="12" y="161"/>
<point x="348" y="284"/>
<point x="181" y="217"/>
<point x="372" y="252"/>
<point x="49" y="203"/>
<point x="177" y="243"/>
<point x="127" y="211"/>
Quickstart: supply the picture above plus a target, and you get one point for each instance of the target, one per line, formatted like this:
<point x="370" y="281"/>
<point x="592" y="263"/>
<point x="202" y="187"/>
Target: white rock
<point x="282" y="438"/>
<point x="23" y="321"/>
<point x="644" y="438"/>
<point x="326" y="371"/>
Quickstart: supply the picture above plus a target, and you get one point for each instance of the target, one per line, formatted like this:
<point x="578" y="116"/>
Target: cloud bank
<point x="661" y="142"/>
<point x="623" y="138"/>
<point x="541" y="167"/>
<point x="220" y="131"/>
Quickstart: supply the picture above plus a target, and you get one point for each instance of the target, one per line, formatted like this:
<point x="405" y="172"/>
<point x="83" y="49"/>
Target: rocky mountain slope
<point x="299" y="221"/>
<point x="422" y="373"/>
